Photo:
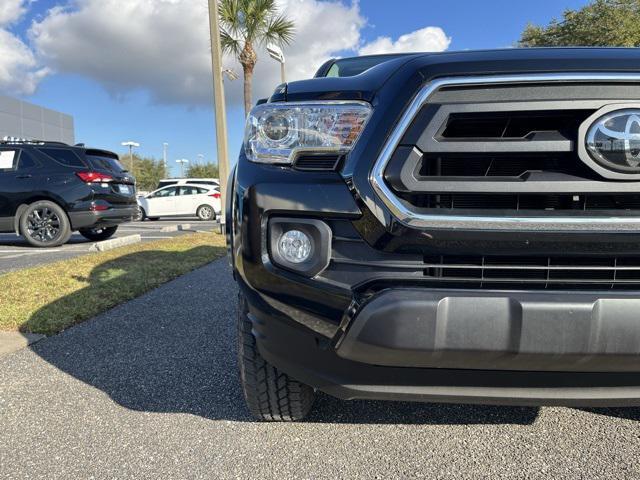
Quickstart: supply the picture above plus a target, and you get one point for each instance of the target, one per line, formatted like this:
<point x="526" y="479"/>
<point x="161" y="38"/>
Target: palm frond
<point x="229" y="44"/>
<point x="279" y="30"/>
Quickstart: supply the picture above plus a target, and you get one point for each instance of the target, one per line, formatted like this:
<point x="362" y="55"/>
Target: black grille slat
<point x="514" y="124"/>
<point x="538" y="272"/>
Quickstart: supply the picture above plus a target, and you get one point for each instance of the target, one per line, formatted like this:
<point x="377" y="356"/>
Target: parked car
<point x="49" y="190"/>
<point x="457" y="227"/>
<point x="165" y="182"/>
<point x="181" y="200"/>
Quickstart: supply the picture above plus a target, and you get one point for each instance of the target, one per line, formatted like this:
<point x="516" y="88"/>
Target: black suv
<point x="459" y="227"/>
<point x="48" y="190"/>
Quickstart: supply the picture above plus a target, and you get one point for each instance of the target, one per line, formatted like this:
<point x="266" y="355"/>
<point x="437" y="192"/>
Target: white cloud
<point x="162" y="46"/>
<point x="20" y="72"/>
<point x="428" y="39"/>
<point x="11" y="11"/>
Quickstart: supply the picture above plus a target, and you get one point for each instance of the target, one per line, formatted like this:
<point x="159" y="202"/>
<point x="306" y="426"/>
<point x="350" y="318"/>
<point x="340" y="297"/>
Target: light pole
<point x="218" y="100"/>
<point x="182" y="161"/>
<point x="200" y="159"/>
<point x="131" y="146"/>
<point x="277" y="54"/>
<point x="165" y="145"/>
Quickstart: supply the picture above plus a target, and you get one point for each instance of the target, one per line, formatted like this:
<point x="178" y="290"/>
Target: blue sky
<point x="115" y="96"/>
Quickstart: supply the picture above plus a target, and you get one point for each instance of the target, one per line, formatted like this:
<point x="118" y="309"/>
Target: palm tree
<point x="246" y="24"/>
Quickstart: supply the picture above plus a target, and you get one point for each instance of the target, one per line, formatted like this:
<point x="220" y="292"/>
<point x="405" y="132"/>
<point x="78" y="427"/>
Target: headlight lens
<point x="277" y="132"/>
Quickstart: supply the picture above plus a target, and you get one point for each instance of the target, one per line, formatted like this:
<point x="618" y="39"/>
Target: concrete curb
<point x="176" y="228"/>
<point x="115" y="243"/>
<point x="13" y="341"/>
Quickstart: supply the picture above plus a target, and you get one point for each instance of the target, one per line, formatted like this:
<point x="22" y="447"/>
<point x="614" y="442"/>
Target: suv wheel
<point x="205" y="212"/>
<point x="270" y="394"/>
<point x="45" y="224"/>
<point x="98" y="234"/>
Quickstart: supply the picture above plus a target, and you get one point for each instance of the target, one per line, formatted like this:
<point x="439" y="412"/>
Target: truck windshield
<point x="349" y="67"/>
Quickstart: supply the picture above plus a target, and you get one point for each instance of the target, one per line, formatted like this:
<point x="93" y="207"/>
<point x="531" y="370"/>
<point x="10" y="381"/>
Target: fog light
<point x="295" y="246"/>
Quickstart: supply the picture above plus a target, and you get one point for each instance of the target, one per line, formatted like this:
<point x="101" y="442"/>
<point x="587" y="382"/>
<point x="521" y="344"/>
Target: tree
<point x="600" y="23"/>
<point x="207" y="170"/>
<point x="147" y="170"/>
<point x="247" y="24"/>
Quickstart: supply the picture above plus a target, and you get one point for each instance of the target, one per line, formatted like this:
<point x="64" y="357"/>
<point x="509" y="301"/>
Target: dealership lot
<point x="15" y="253"/>
<point x="149" y="390"/>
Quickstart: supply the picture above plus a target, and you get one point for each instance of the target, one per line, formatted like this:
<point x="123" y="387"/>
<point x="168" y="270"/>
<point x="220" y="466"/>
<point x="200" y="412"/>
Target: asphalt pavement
<point x="16" y="253"/>
<point x="149" y="390"/>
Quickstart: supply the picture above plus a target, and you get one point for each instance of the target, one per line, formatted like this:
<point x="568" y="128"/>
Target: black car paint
<point x="300" y="322"/>
<point x="51" y="180"/>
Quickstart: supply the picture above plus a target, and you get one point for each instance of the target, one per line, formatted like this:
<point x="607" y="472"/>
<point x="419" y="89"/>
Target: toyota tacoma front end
<point x="458" y="227"/>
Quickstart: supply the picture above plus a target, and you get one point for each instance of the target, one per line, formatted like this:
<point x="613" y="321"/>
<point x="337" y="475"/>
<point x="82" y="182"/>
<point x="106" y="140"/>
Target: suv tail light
<point x="214" y="195"/>
<point x="94" y="177"/>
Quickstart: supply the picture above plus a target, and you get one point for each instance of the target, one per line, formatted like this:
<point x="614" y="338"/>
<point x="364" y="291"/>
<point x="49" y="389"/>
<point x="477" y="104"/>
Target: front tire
<point x="45" y="224"/>
<point x="98" y="234"/>
<point x="271" y="395"/>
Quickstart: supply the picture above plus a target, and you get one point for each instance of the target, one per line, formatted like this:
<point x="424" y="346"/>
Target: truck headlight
<point x="276" y="132"/>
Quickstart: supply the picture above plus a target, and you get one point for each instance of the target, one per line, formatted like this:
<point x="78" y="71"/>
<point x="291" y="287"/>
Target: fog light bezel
<point x="318" y="232"/>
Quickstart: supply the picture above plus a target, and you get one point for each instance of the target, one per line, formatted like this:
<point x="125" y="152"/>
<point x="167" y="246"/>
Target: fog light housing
<point x="295" y="246"/>
<point x="300" y="245"/>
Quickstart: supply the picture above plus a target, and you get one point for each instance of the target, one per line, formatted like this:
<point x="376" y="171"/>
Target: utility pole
<point x="164" y="158"/>
<point x="219" y="106"/>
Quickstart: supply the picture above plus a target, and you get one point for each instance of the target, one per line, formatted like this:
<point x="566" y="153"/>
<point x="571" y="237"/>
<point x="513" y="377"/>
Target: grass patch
<point x="53" y="297"/>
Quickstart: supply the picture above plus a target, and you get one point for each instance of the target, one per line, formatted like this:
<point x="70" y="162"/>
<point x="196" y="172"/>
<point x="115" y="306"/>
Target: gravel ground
<point x="149" y="390"/>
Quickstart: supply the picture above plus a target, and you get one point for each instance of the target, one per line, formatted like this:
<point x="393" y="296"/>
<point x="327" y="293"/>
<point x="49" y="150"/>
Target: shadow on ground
<point x="173" y="350"/>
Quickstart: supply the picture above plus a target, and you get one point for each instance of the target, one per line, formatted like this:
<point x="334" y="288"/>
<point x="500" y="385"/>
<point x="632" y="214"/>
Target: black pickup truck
<point x="454" y="227"/>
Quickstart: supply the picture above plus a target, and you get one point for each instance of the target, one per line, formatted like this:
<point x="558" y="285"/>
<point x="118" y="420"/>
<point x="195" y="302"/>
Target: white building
<point x="26" y="120"/>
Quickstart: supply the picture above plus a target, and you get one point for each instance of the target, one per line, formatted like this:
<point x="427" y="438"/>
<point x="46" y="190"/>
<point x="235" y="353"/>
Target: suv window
<point x="8" y="160"/>
<point x="189" y="190"/>
<point x="106" y="163"/>
<point x="26" y="161"/>
<point x="167" y="192"/>
<point x="166" y="183"/>
<point x="64" y="157"/>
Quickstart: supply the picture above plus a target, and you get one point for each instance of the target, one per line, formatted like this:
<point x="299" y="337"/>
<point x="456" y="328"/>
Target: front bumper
<point x="106" y="218"/>
<point x="381" y="358"/>
<point x="368" y="327"/>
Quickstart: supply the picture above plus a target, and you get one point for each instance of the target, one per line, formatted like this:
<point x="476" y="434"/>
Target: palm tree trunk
<point x="248" y="81"/>
<point x="248" y="59"/>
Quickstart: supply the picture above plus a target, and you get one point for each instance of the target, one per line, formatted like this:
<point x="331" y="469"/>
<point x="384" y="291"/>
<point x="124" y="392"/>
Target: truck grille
<point x="510" y="151"/>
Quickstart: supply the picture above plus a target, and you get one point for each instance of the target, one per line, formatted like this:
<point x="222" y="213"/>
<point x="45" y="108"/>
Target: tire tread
<point x="271" y="395"/>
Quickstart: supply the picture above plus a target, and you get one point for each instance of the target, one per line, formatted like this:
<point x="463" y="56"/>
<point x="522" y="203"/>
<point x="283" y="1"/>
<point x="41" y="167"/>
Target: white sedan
<point x="181" y="200"/>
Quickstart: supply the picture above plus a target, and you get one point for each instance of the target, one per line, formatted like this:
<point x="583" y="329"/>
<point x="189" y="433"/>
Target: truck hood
<point x="422" y="67"/>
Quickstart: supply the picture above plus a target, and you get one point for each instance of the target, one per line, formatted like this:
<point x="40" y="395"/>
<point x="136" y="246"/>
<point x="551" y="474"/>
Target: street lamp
<point x="277" y="54"/>
<point x="182" y="161"/>
<point x="165" y="145"/>
<point x="230" y="74"/>
<point x="131" y="146"/>
<point x="200" y="159"/>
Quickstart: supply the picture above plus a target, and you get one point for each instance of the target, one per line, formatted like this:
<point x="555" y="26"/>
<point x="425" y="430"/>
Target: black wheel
<point x="45" y="224"/>
<point x="270" y="394"/>
<point x="206" y="212"/>
<point x="98" y="234"/>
